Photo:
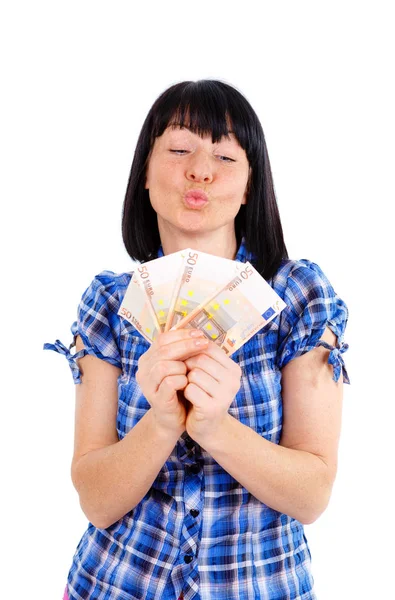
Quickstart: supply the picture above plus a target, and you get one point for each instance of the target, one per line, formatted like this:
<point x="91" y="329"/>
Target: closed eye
<point x="225" y="157"/>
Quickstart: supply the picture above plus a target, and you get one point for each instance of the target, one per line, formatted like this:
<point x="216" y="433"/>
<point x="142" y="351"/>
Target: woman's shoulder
<point x="302" y="271"/>
<point x="104" y="293"/>
<point x="110" y="283"/>
<point x="109" y="278"/>
<point x="288" y="266"/>
<point x="301" y="280"/>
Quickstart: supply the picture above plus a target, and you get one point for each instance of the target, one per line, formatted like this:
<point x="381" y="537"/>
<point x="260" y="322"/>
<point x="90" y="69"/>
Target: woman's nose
<point x="199" y="168"/>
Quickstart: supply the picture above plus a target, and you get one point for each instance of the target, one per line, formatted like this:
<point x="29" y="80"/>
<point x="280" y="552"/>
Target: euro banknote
<point x="156" y="279"/>
<point x="243" y="306"/>
<point x="201" y="276"/>
<point x="135" y="309"/>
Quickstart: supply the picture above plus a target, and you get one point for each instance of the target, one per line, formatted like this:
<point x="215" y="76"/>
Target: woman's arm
<point x="111" y="481"/>
<point x="296" y="476"/>
<point x="112" y="476"/>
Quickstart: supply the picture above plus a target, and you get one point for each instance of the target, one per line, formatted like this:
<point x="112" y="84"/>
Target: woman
<point x="196" y="470"/>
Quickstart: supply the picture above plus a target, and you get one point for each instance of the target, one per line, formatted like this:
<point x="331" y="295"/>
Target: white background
<point x="78" y="79"/>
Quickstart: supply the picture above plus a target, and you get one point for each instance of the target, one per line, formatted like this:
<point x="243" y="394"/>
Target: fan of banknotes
<point x="228" y="300"/>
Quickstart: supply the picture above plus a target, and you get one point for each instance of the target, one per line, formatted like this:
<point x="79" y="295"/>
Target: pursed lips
<point x="196" y="194"/>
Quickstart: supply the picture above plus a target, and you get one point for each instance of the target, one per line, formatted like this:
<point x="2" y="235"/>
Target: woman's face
<point x="182" y="161"/>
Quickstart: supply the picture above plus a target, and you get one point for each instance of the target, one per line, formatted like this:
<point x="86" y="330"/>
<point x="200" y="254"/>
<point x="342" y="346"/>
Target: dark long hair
<point x="211" y="106"/>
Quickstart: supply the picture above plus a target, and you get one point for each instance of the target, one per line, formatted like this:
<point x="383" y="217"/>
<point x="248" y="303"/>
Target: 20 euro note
<point x="201" y="276"/>
<point x="237" y="311"/>
<point x="157" y="279"/>
<point x="135" y="309"/>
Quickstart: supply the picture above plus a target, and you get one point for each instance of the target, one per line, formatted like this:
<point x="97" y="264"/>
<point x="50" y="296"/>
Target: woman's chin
<point x="193" y="223"/>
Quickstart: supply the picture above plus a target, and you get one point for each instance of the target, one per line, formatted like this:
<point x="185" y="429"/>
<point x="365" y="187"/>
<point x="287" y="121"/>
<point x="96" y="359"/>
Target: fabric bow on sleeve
<point x="336" y="360"/>
<point x="71" y="358"/>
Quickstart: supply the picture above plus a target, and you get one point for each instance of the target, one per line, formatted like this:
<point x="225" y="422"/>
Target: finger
<point x="208" y="364"/>
<point x="169" y="337"/>
<point x="165" y="368"/>
<point x="180" y="350"/>
<point x="196" y="395"/>
<point x="220" y="356"/>
<point x="204" y="381"/>
<point x="171" y="384"/>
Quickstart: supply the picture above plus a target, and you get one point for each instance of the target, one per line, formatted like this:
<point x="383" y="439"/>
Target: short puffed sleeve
<point x="312" y="305"/>
<point x="97" y="323"/>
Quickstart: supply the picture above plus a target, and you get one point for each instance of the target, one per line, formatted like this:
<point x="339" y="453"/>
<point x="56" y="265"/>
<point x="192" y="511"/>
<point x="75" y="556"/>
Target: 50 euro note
<point x="237" y="311"/>
<point x="201" y="276"/>
<point x="137" y="311"/>
<point x="156" y="279"/>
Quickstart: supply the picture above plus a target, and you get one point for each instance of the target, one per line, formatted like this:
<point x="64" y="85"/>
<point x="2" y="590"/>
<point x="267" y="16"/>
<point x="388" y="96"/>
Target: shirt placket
<point x="189" y="453"/>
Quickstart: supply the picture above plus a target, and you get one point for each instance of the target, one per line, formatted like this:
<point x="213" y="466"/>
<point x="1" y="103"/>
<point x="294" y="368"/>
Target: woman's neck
<point x="219" y="243"/>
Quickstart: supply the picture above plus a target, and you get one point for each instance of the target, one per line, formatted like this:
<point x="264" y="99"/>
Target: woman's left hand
<point x="213" y="382"/>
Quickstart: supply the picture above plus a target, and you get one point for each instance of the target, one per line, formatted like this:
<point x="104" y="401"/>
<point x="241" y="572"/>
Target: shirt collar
<point x="242" y="254"/>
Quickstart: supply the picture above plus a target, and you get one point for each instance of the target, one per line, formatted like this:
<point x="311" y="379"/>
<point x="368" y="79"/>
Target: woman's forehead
<point x="177" y="128"/>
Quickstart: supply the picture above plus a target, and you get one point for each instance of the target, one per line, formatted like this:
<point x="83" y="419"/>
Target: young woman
<point x="196" y="470"/>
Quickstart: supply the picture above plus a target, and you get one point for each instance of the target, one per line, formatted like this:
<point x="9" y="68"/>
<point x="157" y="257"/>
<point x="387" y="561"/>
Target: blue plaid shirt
<point x="197" y="530"/>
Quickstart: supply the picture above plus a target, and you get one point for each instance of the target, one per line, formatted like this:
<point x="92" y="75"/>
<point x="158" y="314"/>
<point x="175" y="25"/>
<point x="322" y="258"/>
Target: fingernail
<point x="201" y="342"/>
<point x="196" y="333"/>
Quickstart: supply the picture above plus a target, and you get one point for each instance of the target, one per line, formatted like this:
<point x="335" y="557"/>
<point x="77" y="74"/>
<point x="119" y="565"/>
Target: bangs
<point x="205" y="109"/>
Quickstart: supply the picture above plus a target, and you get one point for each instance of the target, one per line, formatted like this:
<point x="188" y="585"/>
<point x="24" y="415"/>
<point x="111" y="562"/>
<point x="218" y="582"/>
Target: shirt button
<point x="194" y="512"/>
<point x="188" y="558"/>
<point x="194" y="469"/>
<point x="189" y="443"/>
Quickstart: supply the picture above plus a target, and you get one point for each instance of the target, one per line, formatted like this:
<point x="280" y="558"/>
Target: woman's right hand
<point x="161" y="373"/>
